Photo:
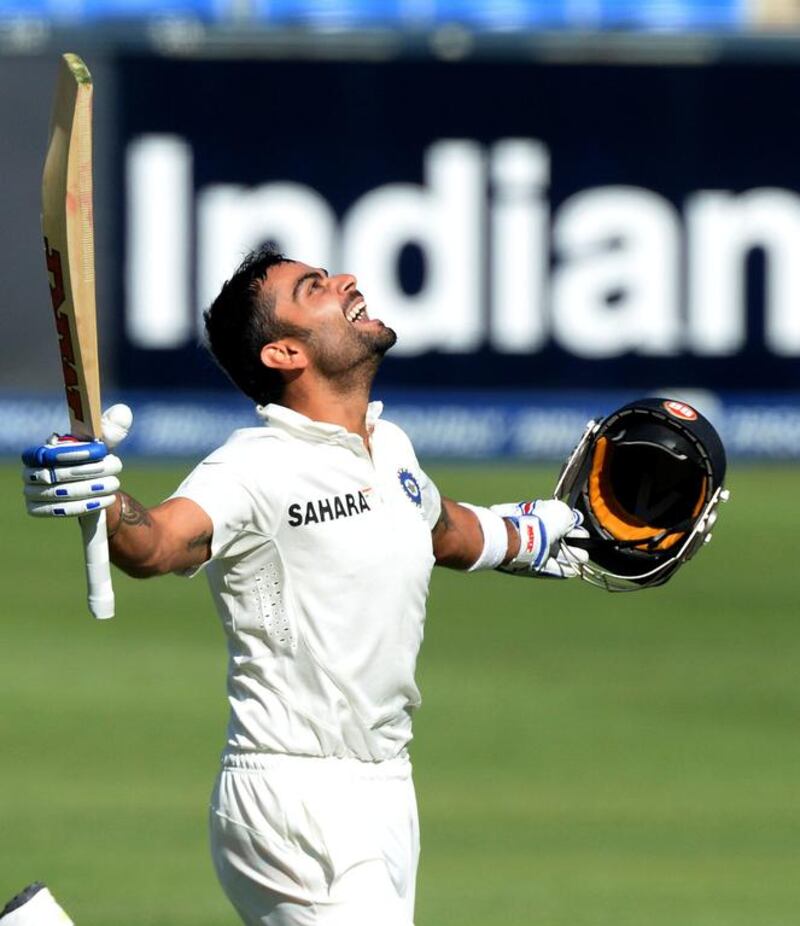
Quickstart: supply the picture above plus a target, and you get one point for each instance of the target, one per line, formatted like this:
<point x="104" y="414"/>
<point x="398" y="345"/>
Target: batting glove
<point x="542" y="526"/>
<point x="67" y="477"/>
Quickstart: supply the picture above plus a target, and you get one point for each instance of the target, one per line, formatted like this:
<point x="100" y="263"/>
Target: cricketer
<point x="317" y="532"/>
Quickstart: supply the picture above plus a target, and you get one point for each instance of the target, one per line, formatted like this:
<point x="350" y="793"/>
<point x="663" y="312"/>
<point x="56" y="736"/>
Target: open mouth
<point x="357" y="312"/>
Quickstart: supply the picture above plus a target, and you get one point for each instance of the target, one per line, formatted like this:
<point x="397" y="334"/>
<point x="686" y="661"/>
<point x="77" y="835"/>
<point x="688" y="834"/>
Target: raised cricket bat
<point x="67" y="225"/>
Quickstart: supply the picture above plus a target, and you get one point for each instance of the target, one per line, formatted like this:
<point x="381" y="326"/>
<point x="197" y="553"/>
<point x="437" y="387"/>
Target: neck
<point x="343" y="404"/>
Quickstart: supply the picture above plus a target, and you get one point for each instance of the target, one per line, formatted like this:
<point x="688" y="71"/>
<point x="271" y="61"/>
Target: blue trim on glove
<point x="65" y="454"/>
<point x="543" y="540"/>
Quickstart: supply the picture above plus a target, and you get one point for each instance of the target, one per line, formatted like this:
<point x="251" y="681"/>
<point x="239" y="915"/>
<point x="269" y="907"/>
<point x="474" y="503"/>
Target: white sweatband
<point x="495" y="538"/>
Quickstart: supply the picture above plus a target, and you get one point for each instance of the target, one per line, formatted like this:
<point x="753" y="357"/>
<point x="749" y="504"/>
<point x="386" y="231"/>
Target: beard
<point x="355" y="356"/>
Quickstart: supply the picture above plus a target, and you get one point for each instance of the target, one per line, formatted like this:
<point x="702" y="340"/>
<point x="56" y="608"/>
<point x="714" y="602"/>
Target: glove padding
<point x="66" y="477"/>
<point x="544" y="527"/>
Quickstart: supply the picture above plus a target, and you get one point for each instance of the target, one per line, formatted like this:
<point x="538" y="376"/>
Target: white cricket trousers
<point x="303" y="841"/>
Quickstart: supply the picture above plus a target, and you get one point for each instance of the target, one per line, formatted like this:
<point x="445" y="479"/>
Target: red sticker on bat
<point x="66" y="348"/>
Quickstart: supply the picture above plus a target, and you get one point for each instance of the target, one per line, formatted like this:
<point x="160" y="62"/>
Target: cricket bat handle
<point x="98" y="566"/>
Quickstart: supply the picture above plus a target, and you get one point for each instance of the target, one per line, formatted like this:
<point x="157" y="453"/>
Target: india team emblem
<point x="410" y="486"/>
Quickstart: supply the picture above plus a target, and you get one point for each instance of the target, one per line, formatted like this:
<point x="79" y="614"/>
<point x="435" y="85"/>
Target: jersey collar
<point x="292" y="422"/>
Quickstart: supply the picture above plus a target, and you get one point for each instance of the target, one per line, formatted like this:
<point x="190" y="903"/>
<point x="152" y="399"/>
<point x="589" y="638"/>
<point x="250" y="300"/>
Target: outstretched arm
<point x="171" y="537"/>
<point x="458" y="537"/>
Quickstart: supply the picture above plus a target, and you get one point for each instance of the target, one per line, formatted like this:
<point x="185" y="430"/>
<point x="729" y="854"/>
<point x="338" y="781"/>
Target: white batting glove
<point x="542" y="525"/>
<point x="66" y="478"/>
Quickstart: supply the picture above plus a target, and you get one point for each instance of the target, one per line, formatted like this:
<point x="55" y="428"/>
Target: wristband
<point x="495" y="538"/>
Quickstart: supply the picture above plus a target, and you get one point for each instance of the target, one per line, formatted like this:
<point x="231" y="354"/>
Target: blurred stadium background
<point x="560" y="205"/>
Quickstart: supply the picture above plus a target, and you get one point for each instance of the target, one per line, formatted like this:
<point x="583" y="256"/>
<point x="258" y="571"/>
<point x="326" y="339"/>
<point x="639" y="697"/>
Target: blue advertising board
<point x="524" y="427"/>
<point x="477" y="14"/>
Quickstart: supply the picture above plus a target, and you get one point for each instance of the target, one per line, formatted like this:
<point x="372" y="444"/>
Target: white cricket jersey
<point x="320" y="562"/>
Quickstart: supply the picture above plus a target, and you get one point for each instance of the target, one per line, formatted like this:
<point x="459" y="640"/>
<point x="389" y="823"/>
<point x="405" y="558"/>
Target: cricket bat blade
<point x="68" y="227"/>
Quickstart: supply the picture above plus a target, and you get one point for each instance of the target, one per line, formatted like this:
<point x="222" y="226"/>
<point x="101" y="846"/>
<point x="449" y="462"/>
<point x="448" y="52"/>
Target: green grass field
<point x="582" y="759"/>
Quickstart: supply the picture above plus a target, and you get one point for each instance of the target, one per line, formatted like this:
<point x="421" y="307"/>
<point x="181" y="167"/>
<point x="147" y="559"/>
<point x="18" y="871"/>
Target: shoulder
<point x="390" y="433"/>
<point x="251" y="458"/>
<point x="247" y="443"/>
<point x="246" y="478"/>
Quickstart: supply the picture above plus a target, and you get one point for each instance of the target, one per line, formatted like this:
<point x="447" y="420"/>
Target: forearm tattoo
<point x="445" y="522"/>
<point x="201" y="540"/>
<point x="131" y="514"/>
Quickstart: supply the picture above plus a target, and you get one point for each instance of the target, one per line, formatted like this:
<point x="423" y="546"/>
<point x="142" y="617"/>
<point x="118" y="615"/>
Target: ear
<point x="286" y="354"/>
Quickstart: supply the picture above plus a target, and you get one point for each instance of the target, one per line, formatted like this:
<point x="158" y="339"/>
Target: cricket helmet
<point x="647" y="479"/>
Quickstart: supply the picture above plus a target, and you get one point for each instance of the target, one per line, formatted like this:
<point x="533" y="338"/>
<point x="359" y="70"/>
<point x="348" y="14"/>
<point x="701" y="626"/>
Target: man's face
<point x="342" y="335"/>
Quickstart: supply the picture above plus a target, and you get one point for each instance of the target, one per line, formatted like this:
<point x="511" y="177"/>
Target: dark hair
<point x="241" y="320"/>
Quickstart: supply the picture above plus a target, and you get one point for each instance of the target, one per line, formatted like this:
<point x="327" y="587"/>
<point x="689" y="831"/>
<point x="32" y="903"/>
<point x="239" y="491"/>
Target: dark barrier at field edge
<point x="447" y="426"/>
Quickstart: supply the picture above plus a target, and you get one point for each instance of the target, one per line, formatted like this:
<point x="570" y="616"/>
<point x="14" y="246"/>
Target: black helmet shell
<point x="647" y="474"/>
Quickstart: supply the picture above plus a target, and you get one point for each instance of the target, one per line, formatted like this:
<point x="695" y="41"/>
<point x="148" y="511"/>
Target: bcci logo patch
<point x="410" y="486"/>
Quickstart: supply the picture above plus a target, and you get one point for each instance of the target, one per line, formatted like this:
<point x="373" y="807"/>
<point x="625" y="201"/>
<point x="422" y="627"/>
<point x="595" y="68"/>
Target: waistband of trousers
<point x="386" y="769"/>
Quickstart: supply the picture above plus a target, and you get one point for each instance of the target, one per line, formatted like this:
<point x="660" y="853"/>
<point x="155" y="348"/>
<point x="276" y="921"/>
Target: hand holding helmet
<point x="547" y="530"/>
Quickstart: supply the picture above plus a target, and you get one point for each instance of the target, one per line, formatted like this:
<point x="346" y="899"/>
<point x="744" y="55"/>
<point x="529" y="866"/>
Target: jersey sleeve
<point x="219" y="490"/>
<point x="431" y="499"/>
